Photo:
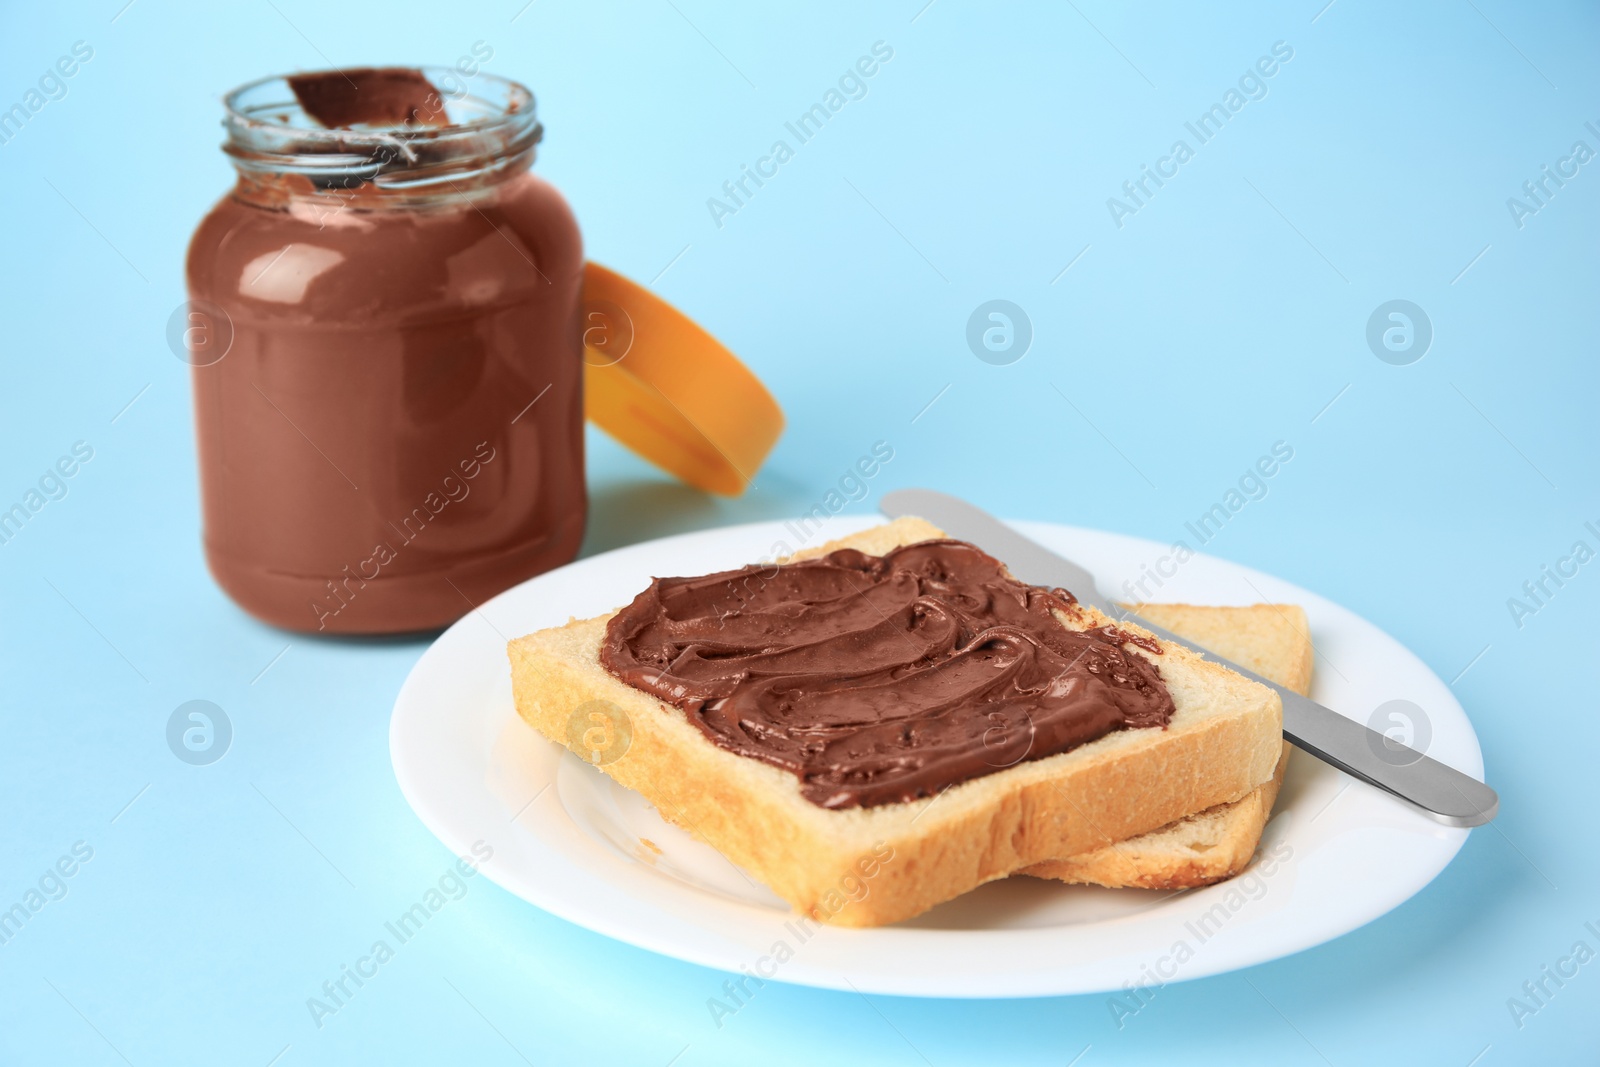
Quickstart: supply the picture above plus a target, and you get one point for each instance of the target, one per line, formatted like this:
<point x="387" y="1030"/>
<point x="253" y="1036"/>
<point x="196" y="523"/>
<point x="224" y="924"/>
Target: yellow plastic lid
<point x="668" y="390"/>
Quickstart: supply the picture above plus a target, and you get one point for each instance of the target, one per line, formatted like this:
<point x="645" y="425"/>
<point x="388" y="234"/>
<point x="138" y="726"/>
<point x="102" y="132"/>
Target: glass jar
<point x="394" y="430"/>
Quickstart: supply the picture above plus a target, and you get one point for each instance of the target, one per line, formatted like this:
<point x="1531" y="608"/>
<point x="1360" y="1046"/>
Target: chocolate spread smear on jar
<point x="369" y="96"/>
<point x="878" y="680"/>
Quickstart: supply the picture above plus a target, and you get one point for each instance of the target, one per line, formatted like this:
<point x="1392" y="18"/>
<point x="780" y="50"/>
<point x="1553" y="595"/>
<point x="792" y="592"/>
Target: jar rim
<point x="492" y="120"/>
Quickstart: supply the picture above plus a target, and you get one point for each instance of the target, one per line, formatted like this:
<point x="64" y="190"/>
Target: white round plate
<point x="1336" y="855"/>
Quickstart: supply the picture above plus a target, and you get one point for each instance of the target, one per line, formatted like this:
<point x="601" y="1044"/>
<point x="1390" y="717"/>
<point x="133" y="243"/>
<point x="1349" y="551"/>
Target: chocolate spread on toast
<point x="878" y="680"/>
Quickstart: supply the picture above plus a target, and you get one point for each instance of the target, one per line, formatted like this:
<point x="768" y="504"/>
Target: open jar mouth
<point x="491" y="124"/>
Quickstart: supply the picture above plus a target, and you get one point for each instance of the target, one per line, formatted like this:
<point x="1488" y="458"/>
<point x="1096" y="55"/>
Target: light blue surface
<point x="1223" y="316"/>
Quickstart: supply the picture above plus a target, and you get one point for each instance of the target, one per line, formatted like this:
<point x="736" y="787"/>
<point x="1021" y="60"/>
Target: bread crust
<point x="1224" y="741"/>
<point x="1274" y="641"/>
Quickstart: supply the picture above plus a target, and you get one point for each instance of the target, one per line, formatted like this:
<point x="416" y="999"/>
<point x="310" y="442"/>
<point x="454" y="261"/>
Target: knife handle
<point x="1443" y="793"/>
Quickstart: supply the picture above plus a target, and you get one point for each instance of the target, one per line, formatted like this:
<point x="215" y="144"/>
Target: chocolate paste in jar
<point x="395" y="431"/>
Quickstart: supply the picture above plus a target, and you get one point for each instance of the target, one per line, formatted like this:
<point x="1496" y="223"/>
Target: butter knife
<point x="1442" y="792"/>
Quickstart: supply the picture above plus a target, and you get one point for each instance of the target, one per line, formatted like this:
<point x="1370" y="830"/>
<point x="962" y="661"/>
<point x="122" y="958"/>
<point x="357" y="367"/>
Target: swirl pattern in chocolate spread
<point x="878" y="680"/>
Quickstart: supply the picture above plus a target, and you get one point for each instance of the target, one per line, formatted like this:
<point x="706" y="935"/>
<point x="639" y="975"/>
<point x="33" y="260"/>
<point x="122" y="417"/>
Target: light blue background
<point x="1222" y="317"/>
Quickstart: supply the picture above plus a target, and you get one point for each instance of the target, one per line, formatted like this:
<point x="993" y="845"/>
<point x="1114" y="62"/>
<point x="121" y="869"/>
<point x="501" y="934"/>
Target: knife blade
<point x="1443" y="793"/>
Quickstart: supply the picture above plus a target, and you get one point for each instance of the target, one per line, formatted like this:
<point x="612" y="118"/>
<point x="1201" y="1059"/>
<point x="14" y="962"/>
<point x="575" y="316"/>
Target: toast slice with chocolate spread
<point x="1274" y="641"/>
<point x="867" y="864"/>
